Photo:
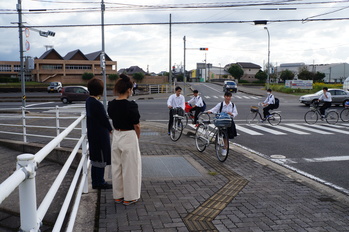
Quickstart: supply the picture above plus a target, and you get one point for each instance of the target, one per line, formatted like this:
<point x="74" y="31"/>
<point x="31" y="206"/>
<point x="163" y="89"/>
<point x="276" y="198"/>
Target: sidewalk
<point x="185" y="190"/>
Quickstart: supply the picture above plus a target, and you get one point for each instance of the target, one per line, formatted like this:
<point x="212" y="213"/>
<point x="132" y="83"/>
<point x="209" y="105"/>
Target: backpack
<point x="220" y="108"/>
<point x="203" y="108"/>
<point x="276" y="104"/>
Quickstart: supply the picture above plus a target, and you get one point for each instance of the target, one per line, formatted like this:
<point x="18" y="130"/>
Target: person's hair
<point x="268" y="90"/>
<point x="228" y="94"/>
<point x="95" y="87"/>
<point x="325" y="88"/>
<point x="122" y="84"/>
<point x="195" y="91"/>
<point x="178" y="88"/>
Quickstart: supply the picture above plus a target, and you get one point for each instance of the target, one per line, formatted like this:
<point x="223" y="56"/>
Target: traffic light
<point x="205" y="49"/>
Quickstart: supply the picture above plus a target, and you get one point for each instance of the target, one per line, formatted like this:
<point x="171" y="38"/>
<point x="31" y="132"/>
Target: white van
<point x="346" y="84"/>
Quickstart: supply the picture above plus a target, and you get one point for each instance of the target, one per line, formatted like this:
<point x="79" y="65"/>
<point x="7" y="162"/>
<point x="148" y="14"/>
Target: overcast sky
<point x="148" y="45"/>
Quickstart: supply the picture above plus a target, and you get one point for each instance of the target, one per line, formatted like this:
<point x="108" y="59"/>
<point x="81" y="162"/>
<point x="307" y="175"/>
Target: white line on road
<point x="275" y="132"/>
<point x="248" y="131"/>
<point x="291" y="130"/>
<point x="304" y="127"/>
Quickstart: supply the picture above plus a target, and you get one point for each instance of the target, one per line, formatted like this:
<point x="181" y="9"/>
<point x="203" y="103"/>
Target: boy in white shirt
<point x="175" y="100"/>
<point x="197" y="104"/>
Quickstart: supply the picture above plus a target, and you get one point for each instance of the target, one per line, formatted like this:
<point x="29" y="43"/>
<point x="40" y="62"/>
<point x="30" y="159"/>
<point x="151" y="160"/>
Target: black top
<point x="124" y="114"/>
<point x="98" y="129"/>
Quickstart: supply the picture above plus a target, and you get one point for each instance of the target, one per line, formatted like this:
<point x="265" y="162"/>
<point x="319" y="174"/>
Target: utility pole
<point x="170" y="55"/>
<point x="184" y="67"/>
<point x="103" y="59"/>
<point x="21" y="57"/>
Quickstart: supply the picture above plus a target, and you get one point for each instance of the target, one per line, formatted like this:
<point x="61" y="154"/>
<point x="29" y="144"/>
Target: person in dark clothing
<point x="98" y="134"/>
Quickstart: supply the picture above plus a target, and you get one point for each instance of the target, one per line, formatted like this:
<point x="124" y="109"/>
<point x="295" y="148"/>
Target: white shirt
<point x="270" y="99"/>
<point x="197" y="101"/>
<point x="176" y="102"/>
<point x="326" y="98"/>
<point x="227" y="108"/>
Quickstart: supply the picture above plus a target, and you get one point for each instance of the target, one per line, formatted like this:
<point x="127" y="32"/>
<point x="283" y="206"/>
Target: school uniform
<point x="198" y="103"/>
<point x="227" y="108"/>
<point x="176" y="102"/>
<point x="327" y="99"/>
<point x="270" y="100"/>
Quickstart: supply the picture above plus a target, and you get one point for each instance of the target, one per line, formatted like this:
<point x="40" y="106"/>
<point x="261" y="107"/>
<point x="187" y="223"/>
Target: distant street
<point x="319" y="151"/>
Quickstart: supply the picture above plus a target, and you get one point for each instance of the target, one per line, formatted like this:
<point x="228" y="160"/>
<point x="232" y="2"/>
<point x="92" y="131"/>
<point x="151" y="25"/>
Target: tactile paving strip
<point x="201" y="218"/>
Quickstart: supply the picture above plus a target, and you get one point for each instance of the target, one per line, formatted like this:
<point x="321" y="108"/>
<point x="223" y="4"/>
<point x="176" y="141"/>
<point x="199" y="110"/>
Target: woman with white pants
<point x="126" y="156"/>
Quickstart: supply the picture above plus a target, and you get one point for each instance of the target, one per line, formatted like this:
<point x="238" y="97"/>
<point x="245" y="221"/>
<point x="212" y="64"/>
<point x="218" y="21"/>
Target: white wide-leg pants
<point x="126" y="165"/>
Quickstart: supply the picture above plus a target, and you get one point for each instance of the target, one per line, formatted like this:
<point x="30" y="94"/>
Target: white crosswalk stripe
<point x="288" y="128"/>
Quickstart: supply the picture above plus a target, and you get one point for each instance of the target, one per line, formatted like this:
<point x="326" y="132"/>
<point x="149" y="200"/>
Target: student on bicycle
<point x="327" y="99"/>
<point x="268" y="104"/>
<point x="197" y="104"/>
<point x="230" y="108"/>
<point x="175" y="100"/>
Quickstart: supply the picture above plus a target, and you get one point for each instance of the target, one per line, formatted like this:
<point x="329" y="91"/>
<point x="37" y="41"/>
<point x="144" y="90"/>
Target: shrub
<point x="113" y="77"/>
<point x="87" y="76"/>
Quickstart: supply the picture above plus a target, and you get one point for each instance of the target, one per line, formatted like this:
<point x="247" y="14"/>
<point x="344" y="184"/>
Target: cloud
<point x="148" y="45"/>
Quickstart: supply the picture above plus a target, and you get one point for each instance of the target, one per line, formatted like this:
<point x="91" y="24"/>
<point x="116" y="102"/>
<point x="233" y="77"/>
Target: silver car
<point x="339" y="97"/>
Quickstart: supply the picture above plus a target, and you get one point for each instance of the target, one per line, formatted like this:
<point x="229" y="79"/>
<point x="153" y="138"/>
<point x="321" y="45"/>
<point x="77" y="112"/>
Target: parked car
<point x="54" y="87"/>
<point x="230" y="86"/>
<point x="339" y="97"/>
<point x="74" y="93"/>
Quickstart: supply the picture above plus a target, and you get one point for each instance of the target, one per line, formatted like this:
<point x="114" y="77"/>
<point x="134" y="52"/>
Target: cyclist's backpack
<point x="220" y="108"/>
<point x="204" y="106"/>
<point x="277" y="102"/>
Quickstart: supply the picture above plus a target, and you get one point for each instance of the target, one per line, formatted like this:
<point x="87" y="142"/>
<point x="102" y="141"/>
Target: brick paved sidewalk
<point x="242" y="194"/>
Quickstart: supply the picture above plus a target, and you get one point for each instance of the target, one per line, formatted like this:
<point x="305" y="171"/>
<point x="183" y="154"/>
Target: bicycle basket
<point x="346" y="104"/>
<point x="179" y="111"/>
<point x="254" y="108"/>
<point x="223" y="120"/>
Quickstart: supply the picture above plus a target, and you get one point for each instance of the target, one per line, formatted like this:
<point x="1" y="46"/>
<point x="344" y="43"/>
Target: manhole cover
<point x="278" y="157"/>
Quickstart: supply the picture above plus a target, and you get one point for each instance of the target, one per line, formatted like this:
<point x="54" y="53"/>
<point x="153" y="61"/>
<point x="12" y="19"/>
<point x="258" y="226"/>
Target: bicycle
<point x="177" y="125"/>
<point x="312" y="116"/>
<point x="274" y="118"/>
<point x="204" y="136"/>
<point x="344" y="115"/>
<point x="189" y="115"/>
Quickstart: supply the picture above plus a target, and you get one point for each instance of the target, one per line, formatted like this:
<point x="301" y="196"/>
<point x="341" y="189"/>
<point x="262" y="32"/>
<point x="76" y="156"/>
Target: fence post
<point x="27" y="194"/>
<point x="84" y="152"/>
<point x="57" y="124"/>
<point x="24" y="125"/>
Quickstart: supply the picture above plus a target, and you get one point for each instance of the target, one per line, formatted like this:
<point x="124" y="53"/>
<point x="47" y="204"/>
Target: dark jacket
<point x="98" y="131"/>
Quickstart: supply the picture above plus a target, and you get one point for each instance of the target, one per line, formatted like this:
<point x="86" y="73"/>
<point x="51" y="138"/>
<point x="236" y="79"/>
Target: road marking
<point x="215" y="97"/>
<point x="248" y="131"/>
<point x="327" y="159"/>
<point x="275" y="132"/>
<point x="304" y="127"/>
<point x="330" y="129"/>
<point x="291" y="130"/>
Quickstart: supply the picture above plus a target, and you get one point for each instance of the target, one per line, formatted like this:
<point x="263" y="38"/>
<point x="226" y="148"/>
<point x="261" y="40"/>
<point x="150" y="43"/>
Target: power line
<point x="182" y="23"/>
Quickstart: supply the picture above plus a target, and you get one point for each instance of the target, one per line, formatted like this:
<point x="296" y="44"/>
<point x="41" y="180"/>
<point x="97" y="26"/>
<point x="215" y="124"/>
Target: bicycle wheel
<point x="204" y="118"/>
<point x="201" y="137"/>
<point x="274" y="119"/>
<point x="332" y="117"/>
<point x="222" y="145"/>
<point x="186" y="119"/>
<point x="311" y="117"/>
<point x="345" y="115"/>
<point x="176" y="130"/>
<point x="252" y="118"/>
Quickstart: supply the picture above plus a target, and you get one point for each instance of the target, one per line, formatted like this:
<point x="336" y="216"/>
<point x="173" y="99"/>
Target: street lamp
<point x="268" y="65"/>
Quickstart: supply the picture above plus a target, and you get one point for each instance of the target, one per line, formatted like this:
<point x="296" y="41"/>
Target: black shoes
<point x="103" y="186"/>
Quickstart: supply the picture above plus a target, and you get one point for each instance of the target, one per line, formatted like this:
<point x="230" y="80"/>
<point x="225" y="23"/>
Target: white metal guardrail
<point x="24" y="177"/>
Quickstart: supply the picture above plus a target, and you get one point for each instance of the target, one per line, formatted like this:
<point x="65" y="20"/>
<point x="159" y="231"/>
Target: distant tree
<point x="319" y="77"/>
<point x="87" y="76"/>
<point x="305" y="74"/>
<point x="113" y="77"/>
<point x="286" y="75"/>
<point x="236" y="71"/>
<point x="261" y="76"/>
<point x="138" y="76"/>
<point x="225" y="76"/>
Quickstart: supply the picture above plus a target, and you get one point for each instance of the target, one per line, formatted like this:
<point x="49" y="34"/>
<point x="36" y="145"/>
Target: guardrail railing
<point x="31" y="217"/>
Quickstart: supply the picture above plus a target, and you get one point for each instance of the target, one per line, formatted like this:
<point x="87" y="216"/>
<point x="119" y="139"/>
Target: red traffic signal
<point x="206" y="49"/>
